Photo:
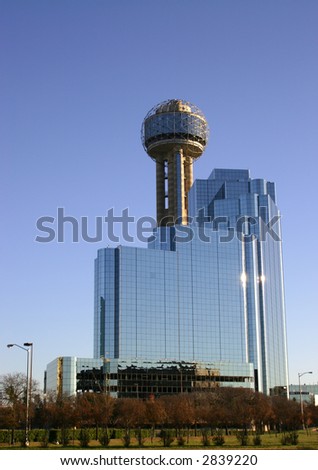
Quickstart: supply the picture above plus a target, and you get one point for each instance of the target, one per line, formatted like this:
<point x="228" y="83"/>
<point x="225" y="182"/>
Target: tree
<point x="241" y="407"/>
<point x="218" y="415"/>
<point x="261" y="411"/>
<point x="155" y="414"/>
<point x="311" y="415"/>
<point x="201" y="408"/>
<point x="286" y="414"/>
<point x="58" y="412"/>
<point x="95" y="409"/>
<point x="129" y="413"/>
<point x="14" y="388"/>
<point x="220" y="408"/>
<point x="179" y="410"/>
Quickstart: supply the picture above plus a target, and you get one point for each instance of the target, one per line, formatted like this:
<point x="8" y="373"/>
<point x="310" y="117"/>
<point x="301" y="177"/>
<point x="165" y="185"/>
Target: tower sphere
<point x="172" y="125"/>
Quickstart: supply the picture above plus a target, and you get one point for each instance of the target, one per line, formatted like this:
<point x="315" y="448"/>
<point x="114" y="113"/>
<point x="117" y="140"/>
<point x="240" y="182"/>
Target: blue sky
<point x="78" y="77"/>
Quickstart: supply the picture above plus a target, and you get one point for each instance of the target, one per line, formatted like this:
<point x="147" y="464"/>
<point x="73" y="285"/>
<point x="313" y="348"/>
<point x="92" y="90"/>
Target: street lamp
<point x="300" y="374"/>
<point x="29" y="351"/>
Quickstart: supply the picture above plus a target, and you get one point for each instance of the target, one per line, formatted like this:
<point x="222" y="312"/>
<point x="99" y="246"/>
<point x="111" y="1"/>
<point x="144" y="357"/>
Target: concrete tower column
<point x="161" y="181"/>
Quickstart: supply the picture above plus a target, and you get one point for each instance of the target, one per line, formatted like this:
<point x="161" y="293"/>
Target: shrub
<point x="65" y="436"/>
<point x="257" y="440"/>
<point x="126" y="438"/>
<point x="104" y="438"/>
<point x="5" y="436"/>
<point x="84" y="437"/>
<point x="242" y="437"/>
<point x="218" y="439"/>
<point x="45" y="440"/>
<point x="166" y="437"/>
<point x="53" y="436"/>
<point x="205" y="439"/>
<point x="140" y="438"/>
<point x="290" y="438"/>
<point x="181" y="441"/>
<point x="20" y="437"/>
<point x="293" y="436"/>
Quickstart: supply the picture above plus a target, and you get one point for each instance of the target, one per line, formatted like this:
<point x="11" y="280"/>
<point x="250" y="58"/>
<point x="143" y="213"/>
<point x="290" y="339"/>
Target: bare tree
<point x="155" y="414"/>
<point x="261" y="411"/>
<point x="180" y="410"/>
<point x="14" y="388"/>
<point x="286" y="414"/>
<point x="95" y="409"/>
<point x="130" y="413"/>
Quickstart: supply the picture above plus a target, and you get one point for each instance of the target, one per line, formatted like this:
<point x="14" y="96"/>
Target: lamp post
<point x="29" y="351"/>
<point x="300" y="374"/>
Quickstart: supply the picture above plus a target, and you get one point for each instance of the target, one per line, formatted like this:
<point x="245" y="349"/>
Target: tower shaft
<point x="174" y="178"/>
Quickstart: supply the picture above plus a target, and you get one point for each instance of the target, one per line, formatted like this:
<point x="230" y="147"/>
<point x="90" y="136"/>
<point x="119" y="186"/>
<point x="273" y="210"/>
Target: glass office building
<point x="208" y="296"/>
<point x="67" y="375"/>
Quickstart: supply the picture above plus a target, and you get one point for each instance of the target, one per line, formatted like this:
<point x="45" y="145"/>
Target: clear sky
<point x="78" y="77"/>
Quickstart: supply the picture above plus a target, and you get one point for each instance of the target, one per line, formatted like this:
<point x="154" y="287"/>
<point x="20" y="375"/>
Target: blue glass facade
<point x="210" y="292"/>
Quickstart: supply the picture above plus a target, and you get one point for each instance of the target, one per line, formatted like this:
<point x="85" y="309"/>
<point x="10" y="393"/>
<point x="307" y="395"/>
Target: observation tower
<point x="174" y="134"/>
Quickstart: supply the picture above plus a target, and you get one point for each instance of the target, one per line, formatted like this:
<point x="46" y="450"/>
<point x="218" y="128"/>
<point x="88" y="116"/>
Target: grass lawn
<point x="306" y="440"/>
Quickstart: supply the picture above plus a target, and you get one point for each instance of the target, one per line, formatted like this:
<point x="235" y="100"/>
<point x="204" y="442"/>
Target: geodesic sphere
<point x="175" y="124"/>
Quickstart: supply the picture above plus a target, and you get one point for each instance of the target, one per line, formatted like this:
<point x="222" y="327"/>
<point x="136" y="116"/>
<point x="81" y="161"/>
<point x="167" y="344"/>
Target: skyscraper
<point x="203" y="305"/>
